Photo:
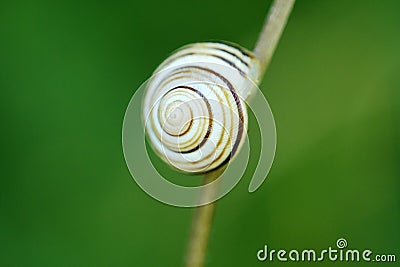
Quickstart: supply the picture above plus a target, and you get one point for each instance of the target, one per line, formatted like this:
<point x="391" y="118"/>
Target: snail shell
<point x="194" y="106"/>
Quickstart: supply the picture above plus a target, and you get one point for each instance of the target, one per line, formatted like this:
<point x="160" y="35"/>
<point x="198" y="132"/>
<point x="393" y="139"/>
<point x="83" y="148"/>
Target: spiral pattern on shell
<point x="194" y="109"/>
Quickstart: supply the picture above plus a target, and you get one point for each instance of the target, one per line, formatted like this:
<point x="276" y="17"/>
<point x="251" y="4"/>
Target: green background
<point x="69" y="68"/>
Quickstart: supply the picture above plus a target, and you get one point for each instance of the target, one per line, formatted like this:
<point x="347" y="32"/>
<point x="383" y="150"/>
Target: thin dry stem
<point x="271" y="32"/>
<point x="264" y="49"/>
<point x="201" y="225"/>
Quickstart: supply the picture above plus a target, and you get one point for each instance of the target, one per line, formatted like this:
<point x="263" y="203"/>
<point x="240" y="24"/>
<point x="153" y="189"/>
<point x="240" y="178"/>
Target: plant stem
<point x="264" y="49"/>
<point x="271" y="32"/>
<point x="201" y="225"/>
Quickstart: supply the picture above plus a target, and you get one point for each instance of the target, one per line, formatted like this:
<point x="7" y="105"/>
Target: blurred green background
<point x="69" y="68"/>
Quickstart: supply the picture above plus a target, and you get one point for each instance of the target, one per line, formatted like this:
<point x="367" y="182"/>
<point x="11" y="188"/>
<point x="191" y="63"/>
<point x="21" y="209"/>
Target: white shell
<point x="194" y="110"/>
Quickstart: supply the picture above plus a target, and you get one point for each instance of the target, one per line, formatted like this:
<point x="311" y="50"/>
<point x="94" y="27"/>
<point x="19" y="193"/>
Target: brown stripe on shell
<point x="240" y="111"/>
<point x="230" y="63"/>
<point x="210" y="121"/>
<point x="232" y="54"/>
<point x="203" y="75"/>
<point x="239" y="108"/>
<point x="222" y="133"/>
<point x="176" y="74"/>
<point x="233" y="45"/>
